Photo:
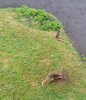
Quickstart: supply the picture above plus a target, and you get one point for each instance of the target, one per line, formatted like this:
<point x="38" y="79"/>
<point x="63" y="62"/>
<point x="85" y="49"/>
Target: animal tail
<point x="44" y="81"/>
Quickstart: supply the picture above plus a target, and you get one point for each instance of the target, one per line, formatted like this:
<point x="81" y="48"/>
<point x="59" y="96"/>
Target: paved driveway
<point x="72" y="13"/>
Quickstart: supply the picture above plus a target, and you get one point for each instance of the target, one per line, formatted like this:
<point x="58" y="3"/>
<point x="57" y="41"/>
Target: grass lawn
<point x="26" y="58"/>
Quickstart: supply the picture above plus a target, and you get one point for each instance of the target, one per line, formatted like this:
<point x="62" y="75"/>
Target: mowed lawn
<point x="27" y="55"/>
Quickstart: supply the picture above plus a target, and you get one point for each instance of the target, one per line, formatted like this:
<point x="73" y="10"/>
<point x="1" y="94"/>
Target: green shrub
<point x="40" y="18"/>
<point x="51" y="25"/>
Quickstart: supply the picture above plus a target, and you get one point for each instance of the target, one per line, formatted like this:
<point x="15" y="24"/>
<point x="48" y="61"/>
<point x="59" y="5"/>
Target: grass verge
<point x="26" y="58"/>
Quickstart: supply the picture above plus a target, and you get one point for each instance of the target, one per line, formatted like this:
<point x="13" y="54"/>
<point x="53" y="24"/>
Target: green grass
<point x="26" y="59"/>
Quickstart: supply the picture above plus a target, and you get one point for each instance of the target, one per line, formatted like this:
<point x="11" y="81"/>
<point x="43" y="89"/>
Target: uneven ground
<point x="72" y="13"/>
<point x="26" y="58"/>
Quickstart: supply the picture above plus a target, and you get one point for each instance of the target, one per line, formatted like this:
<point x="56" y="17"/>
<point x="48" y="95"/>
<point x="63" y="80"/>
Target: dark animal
<point x="57" y="34"/>
<point x="53" y="77"/>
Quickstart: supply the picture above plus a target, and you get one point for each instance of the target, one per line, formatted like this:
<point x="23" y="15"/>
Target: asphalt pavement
<point x="72" y="13"/>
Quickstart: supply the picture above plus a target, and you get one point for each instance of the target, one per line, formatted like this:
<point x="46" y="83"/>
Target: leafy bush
<point x="40" y="18"/>
<point x="51" y="25"/>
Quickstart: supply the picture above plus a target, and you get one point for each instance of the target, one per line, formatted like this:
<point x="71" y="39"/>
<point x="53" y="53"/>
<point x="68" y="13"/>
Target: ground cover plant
<point x="38" y="19"/>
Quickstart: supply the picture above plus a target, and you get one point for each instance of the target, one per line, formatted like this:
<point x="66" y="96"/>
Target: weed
<point x="41" y="19"/>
